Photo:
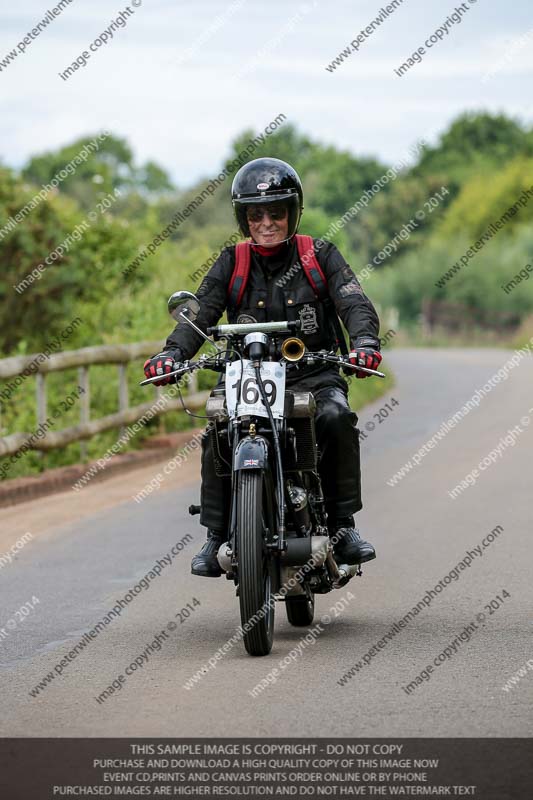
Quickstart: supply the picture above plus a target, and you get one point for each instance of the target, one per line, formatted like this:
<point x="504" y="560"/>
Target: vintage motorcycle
<point x="263" y="434"/>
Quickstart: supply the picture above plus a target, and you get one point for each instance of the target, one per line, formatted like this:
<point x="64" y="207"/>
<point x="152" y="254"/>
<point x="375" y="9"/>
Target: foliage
<point x="475" y="143"/>
<point x="484" y="198"/>
<point x="108" y="165"/>
<point x="46" y="294"/>
<point x="390" y="211"/>
<point x="484" y="160"/>
<point x="476" y="292"/>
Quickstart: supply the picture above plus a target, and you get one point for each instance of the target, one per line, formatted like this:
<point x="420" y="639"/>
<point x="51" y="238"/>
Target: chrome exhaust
<point x="346" y="573"/>
<point x="341" y="573"/>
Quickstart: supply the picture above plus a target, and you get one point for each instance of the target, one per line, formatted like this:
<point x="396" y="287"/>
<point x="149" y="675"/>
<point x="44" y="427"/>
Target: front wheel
<point x="255" y="588"/>
<point x="300" y="609"/>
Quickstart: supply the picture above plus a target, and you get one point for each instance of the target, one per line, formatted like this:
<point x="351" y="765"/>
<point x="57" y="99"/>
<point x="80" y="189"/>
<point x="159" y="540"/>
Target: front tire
<point x="255" y="587"/>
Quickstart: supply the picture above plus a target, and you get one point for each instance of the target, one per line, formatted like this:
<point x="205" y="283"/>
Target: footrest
<point x="194" y="510"/>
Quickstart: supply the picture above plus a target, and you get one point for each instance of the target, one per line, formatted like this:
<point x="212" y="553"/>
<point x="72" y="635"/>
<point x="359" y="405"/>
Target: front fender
<point x="251" y="453"/>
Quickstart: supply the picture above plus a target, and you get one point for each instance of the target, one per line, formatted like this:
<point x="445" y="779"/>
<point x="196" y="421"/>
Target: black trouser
<point x="339" y="465"/>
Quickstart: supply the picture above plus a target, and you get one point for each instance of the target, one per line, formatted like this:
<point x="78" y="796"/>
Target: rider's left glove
<point x="365" y="353"/>
<point x="162" y="364"/>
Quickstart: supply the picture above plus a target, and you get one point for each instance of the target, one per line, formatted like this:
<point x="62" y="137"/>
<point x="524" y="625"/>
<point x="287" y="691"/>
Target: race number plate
<point x="273" y="375"/>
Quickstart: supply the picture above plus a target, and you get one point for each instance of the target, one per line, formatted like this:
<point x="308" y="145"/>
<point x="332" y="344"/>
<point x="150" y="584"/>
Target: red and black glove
<point x="162" y="364"/>
<point x="365" y="352"/>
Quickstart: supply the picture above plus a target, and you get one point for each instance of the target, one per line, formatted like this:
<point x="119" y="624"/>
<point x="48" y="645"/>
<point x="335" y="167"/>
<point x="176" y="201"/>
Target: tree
<point x="394" y="216"/>
<point x="286" y="143"/>
<point x="108" y="165"/>
<point x="475" y="142"/>
<point x="37" y="298"/>
<point x="336" y="180"/>
<point x="485" y="198"/>
<point x="152" y="178"/>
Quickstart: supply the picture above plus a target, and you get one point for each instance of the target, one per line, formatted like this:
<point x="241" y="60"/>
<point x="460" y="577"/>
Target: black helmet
<point x="263" y="181"/>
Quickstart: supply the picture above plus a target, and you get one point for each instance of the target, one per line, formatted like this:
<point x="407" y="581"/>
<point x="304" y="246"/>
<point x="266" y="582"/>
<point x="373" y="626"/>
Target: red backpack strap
<point x="239" y="279"/>
<point x="311" y="267"/>
<point x="317" y="279"/>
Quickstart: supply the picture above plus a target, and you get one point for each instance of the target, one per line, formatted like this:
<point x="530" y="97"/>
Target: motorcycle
<point x="263" y="438"/>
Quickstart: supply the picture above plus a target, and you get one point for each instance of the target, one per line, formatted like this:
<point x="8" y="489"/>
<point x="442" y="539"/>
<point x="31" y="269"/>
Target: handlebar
<point x="217" y="331"/>
<point x="216" y="361"/>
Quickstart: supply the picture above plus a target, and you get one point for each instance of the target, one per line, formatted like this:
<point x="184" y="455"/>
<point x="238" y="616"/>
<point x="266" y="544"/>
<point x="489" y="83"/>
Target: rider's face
<point x="269" y="224"/>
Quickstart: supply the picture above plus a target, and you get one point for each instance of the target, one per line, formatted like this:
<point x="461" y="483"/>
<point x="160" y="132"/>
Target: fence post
<point x="123" y="399"/>
<point x="41" y="397"/>
<point x="159" y="395"/>
<point x="193" y="383"/>
<point x="85" y="405"/>
<point x="40" y="387"/>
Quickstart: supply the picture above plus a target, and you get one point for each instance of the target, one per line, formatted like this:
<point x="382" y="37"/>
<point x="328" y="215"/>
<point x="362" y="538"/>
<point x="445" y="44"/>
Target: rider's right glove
<point x="162" y="364"/>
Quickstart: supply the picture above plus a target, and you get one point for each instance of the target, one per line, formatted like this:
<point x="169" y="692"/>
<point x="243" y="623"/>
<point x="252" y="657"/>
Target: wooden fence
<point x="83" y="359"/>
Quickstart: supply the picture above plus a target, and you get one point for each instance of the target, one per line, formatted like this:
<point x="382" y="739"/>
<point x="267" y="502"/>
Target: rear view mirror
<point x="185" y="303"/>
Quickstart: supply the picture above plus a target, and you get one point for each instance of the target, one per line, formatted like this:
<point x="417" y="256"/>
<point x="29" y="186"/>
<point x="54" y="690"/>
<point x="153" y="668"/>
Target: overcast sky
<point x="182" y="79"/>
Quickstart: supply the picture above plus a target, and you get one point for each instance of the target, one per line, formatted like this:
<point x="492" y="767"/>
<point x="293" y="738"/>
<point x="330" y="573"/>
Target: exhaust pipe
<point x="341" y="573"/>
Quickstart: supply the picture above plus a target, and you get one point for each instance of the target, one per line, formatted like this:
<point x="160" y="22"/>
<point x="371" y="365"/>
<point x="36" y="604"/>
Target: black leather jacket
<point x="278" y="289"/>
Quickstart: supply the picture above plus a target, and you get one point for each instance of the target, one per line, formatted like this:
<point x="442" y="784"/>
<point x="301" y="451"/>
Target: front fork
<point x="252" y="452"/>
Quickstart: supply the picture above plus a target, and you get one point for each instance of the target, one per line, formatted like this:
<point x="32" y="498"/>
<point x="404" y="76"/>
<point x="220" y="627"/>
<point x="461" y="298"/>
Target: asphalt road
<point x="89" y="548"/>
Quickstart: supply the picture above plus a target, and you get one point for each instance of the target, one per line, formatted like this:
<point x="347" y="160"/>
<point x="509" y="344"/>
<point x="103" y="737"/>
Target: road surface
<point x="89" y="548"/>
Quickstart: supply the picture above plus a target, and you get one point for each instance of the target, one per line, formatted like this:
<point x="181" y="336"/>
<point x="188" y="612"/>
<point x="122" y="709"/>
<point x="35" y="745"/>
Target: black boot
<point x="205" y="563"/>
<point x="348" y="546"/>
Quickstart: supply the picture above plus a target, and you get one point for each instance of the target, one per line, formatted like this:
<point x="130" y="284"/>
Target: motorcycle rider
<point x="267" y="199"/>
